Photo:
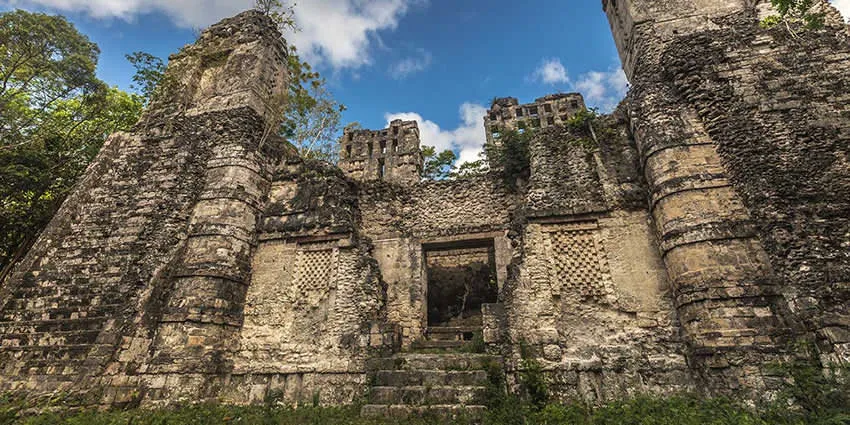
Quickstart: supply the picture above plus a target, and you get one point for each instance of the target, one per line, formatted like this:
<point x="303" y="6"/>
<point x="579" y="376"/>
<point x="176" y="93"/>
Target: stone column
<point x="725" y="291"/>
<point x="232" y="82"/>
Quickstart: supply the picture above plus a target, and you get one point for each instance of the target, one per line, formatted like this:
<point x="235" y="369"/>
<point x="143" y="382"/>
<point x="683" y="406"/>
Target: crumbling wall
<point x="391" y="154"/>
<point x="437" y="208"/>
<point x="399" y="219"/>
<point x="315" y="307"/>
<point x="135" y="288"/>
<point x="742" y="146"/>
<point x="776" y="106"/>
<point x="589" y="297"/>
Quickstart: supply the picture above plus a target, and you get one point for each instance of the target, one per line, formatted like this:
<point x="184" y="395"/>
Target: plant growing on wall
<point x="312" y="117"/>
<point x="805" y="12"/>
<point x="309" y="116"/>
<point x="509" y="156"/>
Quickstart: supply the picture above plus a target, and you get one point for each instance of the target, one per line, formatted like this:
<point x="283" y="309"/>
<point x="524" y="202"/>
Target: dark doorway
<point x="461" y="277"/>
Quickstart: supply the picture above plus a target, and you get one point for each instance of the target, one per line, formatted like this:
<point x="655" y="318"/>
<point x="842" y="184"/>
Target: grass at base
<point x="639" y="411"/>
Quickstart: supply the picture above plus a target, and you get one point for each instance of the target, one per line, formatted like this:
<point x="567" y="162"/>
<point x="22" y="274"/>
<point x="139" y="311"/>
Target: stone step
<point x="425" y="395"/>
<point x="58" y="313"/>
<point x="426" y="344"/>
<point x="434" y="378"/>
<point x="452" y="333"/>
<point x="60" y="325"/>
<point x="74" y="337"/>
<point x="446" y="361"/>
<point x="449" y="411"/>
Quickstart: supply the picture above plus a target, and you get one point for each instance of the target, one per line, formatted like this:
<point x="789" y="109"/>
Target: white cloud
<point x="603" y="89"/>
<point x="467" y="139"/>
<point x="411" y="65"/>
<point x="843" y="6"/>
<point x="551" y="71"/>
<point x="338" y="32"/>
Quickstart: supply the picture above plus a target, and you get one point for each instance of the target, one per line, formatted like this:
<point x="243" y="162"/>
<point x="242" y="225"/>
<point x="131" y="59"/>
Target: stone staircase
<point x="448" y="337"/>
<point x="448" y="384"/>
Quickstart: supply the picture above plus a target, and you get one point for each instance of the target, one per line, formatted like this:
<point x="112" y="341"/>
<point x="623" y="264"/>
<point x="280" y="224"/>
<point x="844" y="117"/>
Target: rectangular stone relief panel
<point x="314" y="274"/>
<point x="578" y="265"/>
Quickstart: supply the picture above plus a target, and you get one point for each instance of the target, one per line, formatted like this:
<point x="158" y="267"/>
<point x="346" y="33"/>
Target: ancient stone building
<point x="391" y="154"/>
<point x="685" y="242"/>
<point x="507" y="114"/>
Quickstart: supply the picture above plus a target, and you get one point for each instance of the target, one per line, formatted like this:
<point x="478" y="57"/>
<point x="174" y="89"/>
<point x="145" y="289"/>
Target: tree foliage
<point x="509" y="155"/>
<point x="54" y="117"/>
<point x="150" y="70"/>
<point x="805" y="12"/>
<point x="437" y="165"/>
<point x="311" y="119"/>
<point x="43" y="61"/>
<point x="281" y="12"/>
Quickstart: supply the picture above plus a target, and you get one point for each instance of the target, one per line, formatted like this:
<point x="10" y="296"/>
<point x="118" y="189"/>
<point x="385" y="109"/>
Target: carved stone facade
<point x="682" y="243"/>
<point x="507" y="114"/>
<point x="391" y="154"/>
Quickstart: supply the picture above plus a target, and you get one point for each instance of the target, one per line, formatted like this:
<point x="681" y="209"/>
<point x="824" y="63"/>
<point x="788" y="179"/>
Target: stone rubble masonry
<point x="507" y="114"/>
<point x="743" y="134"/>
<point x="682" y="243"/>
<point x="143" y="271"/>
<point x="392" y="154"/>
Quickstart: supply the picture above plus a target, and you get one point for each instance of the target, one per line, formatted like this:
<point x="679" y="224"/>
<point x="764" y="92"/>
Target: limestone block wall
<point x="315" y="307"/>
<point x="591" y="304"/>
<point x="135" y="288"/>
<point x="392" y="154"/>
<point x="722" y="120"/>
<point x="399" y="220"/>
<point x="313" y="312"/>
<point x="776" y="108"/>
<point x="589" y="298"/>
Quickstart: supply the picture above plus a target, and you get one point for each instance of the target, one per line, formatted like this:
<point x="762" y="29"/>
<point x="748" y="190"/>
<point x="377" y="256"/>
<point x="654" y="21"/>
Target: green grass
<point x="683" y="410"/>
<point x="811" y="397"/>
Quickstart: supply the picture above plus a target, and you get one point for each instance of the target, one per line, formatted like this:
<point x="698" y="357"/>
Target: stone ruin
<point x="696" y="236"/>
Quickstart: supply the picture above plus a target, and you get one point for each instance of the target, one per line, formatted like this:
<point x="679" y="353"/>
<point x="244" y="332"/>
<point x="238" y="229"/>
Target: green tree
<point x="280" y="11"/>
<point x="805" y="12"/>
<point x="54" y="116"/>
<point x="43" y="61"/>
<point x="149" y="72"/>
<point x="510" y="156"/>
<point x="478" y="167"/>
<point x="437" y="166"/>
<point x="311" y="119"/>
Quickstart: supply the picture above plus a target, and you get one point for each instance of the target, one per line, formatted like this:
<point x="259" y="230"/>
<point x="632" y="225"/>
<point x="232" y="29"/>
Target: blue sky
<point x="437" y="61"/>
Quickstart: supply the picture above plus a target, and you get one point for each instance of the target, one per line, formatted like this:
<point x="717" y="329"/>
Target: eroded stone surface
<point x="682" y="243"/>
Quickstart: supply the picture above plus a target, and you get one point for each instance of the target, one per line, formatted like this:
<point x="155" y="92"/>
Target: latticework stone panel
<point x="314" y="274"/>
<point x="578" y="264"/>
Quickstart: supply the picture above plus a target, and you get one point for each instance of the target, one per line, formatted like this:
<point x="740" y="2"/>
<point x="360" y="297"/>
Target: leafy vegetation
<point x="149" y="72"/>
<point x="811" y="398"/>
<point x="510" y="157"/>
<point x="55" y="114"/>
<point x="309" y="116"/>
<point x="54" y="117"/>
<point x="805" y="12"/>
<point x="438" y="166"/>
<point x="311" y="119"/>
